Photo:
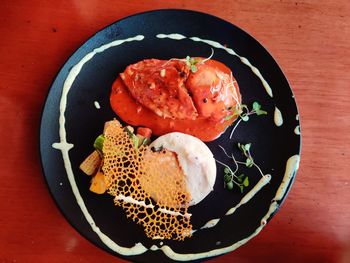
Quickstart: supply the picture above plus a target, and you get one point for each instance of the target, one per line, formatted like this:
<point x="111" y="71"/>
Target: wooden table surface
<point x="309" y="39"/>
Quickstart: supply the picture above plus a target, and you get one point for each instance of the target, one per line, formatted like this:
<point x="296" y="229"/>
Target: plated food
<point x="252" y="142"/>
<point x="190" y="95"/>
<point x="155" y="184"/>
<point x="196" y="161"/>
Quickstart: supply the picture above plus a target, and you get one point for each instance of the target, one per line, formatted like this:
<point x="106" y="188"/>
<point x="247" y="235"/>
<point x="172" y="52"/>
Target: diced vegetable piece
<point x="130" y="129"/>
<point x="140" y="139"/>
<point x="146" y="141"/>
<point x="145" y="132"/>
<point x="108" y="123"/>
<point x="91" y="163"/>
<point x="135" y="140"/>
<point x="98" y="184"/>
<point x="98" y="144"/>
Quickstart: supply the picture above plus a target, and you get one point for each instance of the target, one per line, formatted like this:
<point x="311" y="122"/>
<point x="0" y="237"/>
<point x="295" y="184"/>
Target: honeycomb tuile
<point x="153" y="180"/>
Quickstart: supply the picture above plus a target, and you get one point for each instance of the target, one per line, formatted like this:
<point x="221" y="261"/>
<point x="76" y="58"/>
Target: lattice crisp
<point x="149" y="186"/>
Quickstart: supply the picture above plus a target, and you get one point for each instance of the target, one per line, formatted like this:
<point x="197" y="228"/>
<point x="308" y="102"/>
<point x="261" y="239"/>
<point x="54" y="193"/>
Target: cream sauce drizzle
<point x="138" y="248"/>
<point x="297" y="130"/>
<point x="64" y="146"/>
<point x="174" y="36"/>
<point x="128" y="199"/>
<point x="211" y="223"/>
<point x="278" y="119"/>
<point x="228" y="50"/>
<point x="291" y="167"/>
<point x="262" y="182"/>
<point x="297" y="117"/>
<point x="97" y="105"/>
<point x="166" y="211"/>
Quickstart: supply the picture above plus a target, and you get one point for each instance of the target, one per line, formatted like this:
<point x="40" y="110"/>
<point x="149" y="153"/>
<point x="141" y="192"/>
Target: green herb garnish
<point x="249" y="162"/>
<point x="146" y="141"/>
<point x="192" y="62"/>
<point x="98" y="143"/>
<point x="133" y="137"/>
<point x="243" y="111"/>
<point x="257" y="109"/>
<point x="245" y="149"/>
<point x="230" y="177"/>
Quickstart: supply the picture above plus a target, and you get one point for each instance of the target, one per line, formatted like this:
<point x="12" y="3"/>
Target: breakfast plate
<point x="78" y="105"/>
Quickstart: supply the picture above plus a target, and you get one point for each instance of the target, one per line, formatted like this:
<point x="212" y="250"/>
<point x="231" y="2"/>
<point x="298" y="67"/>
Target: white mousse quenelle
<point x="196" y="161"/>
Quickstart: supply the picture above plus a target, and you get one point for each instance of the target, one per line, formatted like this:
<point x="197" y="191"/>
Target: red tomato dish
<point x="174" y="95"/>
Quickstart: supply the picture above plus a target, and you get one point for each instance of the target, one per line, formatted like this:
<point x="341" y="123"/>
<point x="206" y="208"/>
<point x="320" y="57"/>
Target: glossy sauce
<point x="133" y="113"/>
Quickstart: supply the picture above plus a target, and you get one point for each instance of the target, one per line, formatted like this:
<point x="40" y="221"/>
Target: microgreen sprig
<point x="230" y="177"/>
<point x="192" y="63"/>
<point x="243" y="111"/>
<point x="245" y="148"/>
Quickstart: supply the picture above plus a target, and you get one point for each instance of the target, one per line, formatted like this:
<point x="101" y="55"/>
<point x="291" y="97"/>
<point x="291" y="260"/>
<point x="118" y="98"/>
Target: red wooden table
<point x="309" y="39"/>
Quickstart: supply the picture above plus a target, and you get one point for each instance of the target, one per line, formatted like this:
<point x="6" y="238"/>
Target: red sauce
<point x="135" y="114"/>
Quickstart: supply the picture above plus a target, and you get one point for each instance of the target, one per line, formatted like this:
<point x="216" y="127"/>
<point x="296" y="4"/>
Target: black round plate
<point x="272" y="146"/>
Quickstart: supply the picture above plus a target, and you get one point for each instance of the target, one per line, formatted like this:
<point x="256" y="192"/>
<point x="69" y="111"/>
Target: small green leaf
<point x="241" y="187"/>
<point x="256" y="106"/>
<point x="227" y="178"/>
<point x="245" y="118"/>
<point x="261" y="112"/>
<point x="229" y="185"/>
<point x="193" y="68"/>
<point x="240" y="178"/>
<point x="247" y="146"/>
<point x="188" y="60"/>
<point x="242" y="148"/>
<point x="226" y="170"/>
<point x="249" y="162"/>
<point x="246" y="181"/>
